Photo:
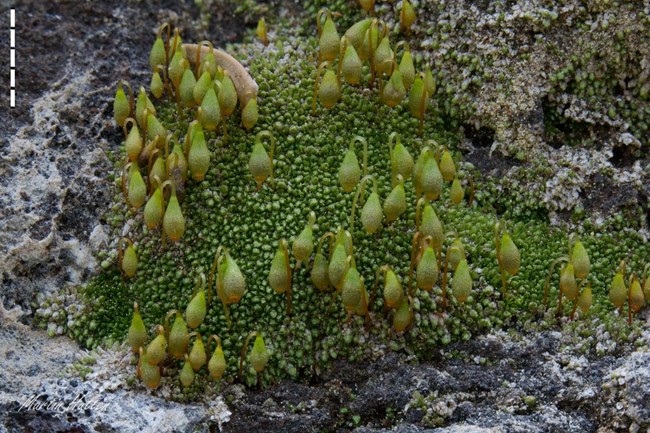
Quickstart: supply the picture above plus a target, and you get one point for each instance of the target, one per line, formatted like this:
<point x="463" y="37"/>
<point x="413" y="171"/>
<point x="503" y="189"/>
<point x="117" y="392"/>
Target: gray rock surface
<point x="54" y="188"/>
<point x="498" y="383"/>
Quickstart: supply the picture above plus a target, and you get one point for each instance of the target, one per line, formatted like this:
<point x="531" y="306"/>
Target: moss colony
<point x="229" y="209"/>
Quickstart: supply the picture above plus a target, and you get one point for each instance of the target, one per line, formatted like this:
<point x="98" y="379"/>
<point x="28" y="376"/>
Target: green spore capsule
<point x="403" y="317"/>
<point x="156" y="85"/>
<point x="431" y="180"/>
<point x="344" y="238"/>
<point x="407" y="15"/>
<point x="510" y="257"/>
<point x="157" y="171"/>
<point x="133" y="143"/>
<point x="250" y="115"/>
<point x="280" y="272"/>
<point x="130" y="261"/>
<point x="351" y="288"/>
<point x="383" y="57"/>
<point x="176" y="164"/>
<point x="461" y="284"/>
<point x="157" y="349"/>
<point x="303" y="244"/>
<point x="456" y="193"/>
<point x="362" y="307"/>
<point x="197" y="308"/>
<point x="351" y="66"/>
<point x="349" y="171"/>
<point x="260" y="163"/>
<point x="395" y="203"/>
<point x="429" y="81"/>
<point x="149" y="372"/>
<point x="637" y="299"/>
<point x="186" y="88"/>
<point x="618" y="291"/>
<point x="209" y="113"/>
<point x="227" y="95"/>
<point x="401" y="161"/>
<point x="456" y="253"/>
<point x="371" y="213"/>
<point x="177" y="161"/>
<point x="143" y="103"/>
<point x="137" y="335"/>
<point x="198" y="158"/>
<point x="393" y="291"/>
<point x="406" y="67"/>
<point x="209" y="64"/>
<point x="234" y="283"/>
<point x="261" y="31"/>
<point x="568" y="284"/>
<point x="394" y="91"/>
<point x="447" y="166"/>
<point x="157" y="55"/>
<point x="585" y="299"/>
<point x="202" y="86"/>
<point x="177" y="66"/>
<point x="357" y="31"/>
<point x="320" y="272"/>
<point x="427" y="269"/>
<point x="371" y="40"/>
<point x="259" y="356"/>
<point x="646" y="289"/>
<point x="121" y="104"/>
<point x="197" y="355"/>
<point x="418" y="97"/>
<point x="173" y="220"/>
<point x="336" y="268"/>
<point x="179" y="337"/>
<point x="580" y="260"/>
<point x="155" y="128"/>
<point x="137" y="192"/>
<point x="186" y="375"/>
<point x="329" y="90"/>
<point x="431" y="226"/>
<point x="217" y="363"/>
<point x="328" y="41"/>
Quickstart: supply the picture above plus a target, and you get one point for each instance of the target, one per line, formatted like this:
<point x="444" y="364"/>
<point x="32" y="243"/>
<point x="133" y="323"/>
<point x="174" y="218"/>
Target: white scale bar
<point x="12" y="57"/>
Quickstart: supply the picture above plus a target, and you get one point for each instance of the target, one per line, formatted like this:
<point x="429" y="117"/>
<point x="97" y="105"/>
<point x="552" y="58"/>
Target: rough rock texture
<point x="526" y="79"/>
<point x="54" y="188"/>
<point x="498" y="383"/>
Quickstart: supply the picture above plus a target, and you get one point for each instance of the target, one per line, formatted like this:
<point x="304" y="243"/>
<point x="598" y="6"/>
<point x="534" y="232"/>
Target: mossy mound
<point x="225" y="209"/>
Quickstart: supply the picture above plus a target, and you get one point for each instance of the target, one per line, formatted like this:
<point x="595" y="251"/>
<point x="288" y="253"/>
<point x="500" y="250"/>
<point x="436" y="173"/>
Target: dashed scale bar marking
<point x="12" y="58"/>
